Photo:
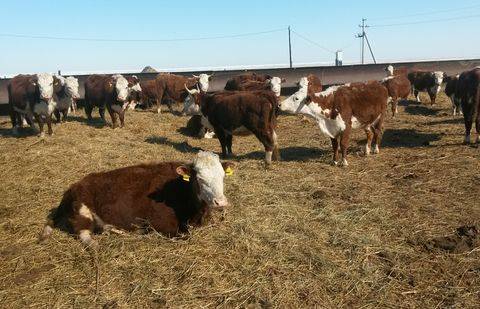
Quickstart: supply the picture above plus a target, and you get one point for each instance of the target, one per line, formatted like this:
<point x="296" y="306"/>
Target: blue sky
<point x="332" y="24"/>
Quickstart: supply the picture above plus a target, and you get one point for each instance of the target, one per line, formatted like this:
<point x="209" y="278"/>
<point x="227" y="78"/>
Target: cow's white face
<point x="71" y="87"/>
<point x="189" y="105"/>
<point x="121" y="85"/>
<point x="389" y="70"/>
<point x="45" y="86"/>
<point x="209" y="177"/>
<point x="303" y="83"/>
<point x="204" y="82"/>
<point x="438" y="77"/>
<point x="295" y="103"/>
<point x="276" y="85"/>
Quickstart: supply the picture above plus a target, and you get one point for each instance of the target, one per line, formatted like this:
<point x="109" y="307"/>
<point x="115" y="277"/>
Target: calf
<point x="167" y="197"/>
<point x="467" y="92"/>
<point x="231" y="111"/>
<point x="66" y="96"/>
<point x="398" y="87"/>
<point x="450" y="87"/>
<point x="340" y="109"/>
<point x="31" y="96"/>
<point x="430" y="82"/>
<point x="111" y="92"/>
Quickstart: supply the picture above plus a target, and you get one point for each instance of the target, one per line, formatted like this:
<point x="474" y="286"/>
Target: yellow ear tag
<point x="186" y="178"/>
<point x="229" y="171"/>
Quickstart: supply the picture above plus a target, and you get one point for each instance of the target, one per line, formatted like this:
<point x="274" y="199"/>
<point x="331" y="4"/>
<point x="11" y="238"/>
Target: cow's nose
<point x="220" y="202"/>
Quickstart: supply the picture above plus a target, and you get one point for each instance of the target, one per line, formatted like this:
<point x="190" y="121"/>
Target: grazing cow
<point x="467" y="92"/>
<point x="228" y="112"/>
<point x="340" y="109"/>
<point x="311" y="83"/>
<point x="31" y="96"/>
<point x="430" y="82"/>
<point x="167" y="197"/>
<point x="450" y="87"/>
<point x="111" y="92"/>
<point x="274" y="84"/>
<point x="398" y="87"/>
<point x="170" y="87"/>
<point x="66" y="96"/>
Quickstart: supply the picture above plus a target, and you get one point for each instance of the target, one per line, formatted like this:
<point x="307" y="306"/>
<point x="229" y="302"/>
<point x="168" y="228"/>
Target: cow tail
<point x="57" y="216"/>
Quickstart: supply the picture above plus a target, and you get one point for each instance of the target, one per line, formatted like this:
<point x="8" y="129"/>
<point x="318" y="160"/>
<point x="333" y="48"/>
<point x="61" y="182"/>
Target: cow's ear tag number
<point x="229" y="171"/>
<point x="186" y="178"/>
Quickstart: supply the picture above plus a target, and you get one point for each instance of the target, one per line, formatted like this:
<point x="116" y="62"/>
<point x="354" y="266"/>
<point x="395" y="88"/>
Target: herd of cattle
<point x="170" y="196"/>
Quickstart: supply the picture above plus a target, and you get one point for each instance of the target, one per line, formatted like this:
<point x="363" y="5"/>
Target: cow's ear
<point x="185" y="171"/>
<point x="109" y="86"/>
<point x="283" y="80"/>
<point x="228" y="167"/>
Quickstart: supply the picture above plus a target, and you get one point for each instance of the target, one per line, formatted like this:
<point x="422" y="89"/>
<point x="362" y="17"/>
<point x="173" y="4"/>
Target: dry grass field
<point x="391" y="230"/>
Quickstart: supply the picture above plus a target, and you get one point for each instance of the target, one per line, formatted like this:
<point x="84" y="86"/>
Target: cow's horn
<point x="196" y="76"/>
<point x="188" y="90"/>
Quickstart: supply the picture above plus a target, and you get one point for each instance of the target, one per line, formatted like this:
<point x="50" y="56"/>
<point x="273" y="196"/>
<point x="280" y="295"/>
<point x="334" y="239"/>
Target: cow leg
<point x="113" y="115"/>
<point x="276" y="151"/>
<point x="377" y="134"/>
<point x="416" y="94"/>
<point x="121" y="116"/>
<point x="477" y="128"/>
<point x="433" y="97"/>
<point x="229" y="140"/>
<point x="49" y="124"/>
<point x="344" y="141"/>
<point x="40" y="122"/>
<point x="267" y="139"/>
<point x="101" y="111"/>
<point x="82" y="223"/>
<point x="14" y="119"/>
<point x="57" y="115"/>
<point x="394" y="106"/>
<point x="468" y="120"/>
<point x="368" y="146"/>
<point x="64" y="114"/>
<point x="335" y="148"/>
<point x="88" y="110"/>
<point x="159" y="99"/>
<point x="220" y="133"/>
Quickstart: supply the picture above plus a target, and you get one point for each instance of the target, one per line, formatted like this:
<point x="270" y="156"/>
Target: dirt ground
<point x="398" y="229"/>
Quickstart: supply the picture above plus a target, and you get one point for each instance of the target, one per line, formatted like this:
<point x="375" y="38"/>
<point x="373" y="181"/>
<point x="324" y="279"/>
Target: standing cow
<point x="468" y="93"/>
<point x="66" y="96"/>
<point x="31" y="96"/>
<point x="450" y="88"/>
<point x="340" y="109"/>
<point x="311" y="83"/>
<point x="110" y="92"/>
<point x="170" y="88"/>
<point x="430" y="82"/>
<point x="167" y="197"/>
<point x="398" y="86"/>
<point x="229" y="112"/>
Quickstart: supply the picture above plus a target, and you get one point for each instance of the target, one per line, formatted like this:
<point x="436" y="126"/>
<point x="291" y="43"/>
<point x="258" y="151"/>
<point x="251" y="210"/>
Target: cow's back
<point x="398" y="86"/>
<point x="20" y="91"/>
<point x="95" y="87"/>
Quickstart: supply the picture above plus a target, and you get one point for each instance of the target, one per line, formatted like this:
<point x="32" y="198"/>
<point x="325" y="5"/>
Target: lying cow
<point x="110" y="92"/>
<point x="167" y="197"/>
<point x="235" y="82"/>
<point x="31" y="96"/>
<point x="398" y="87"/>
<point x="468" y="94"/>
<point x="340" y="109"/>
<point x="198" y="126"/>
<point x="66" y="96"/>
<point x="170" y="88"/>
<point x="228" y="112"/>
<point x="450" y="87"/>
<point x="311" y="84"/>
<point x="430" y="82"/>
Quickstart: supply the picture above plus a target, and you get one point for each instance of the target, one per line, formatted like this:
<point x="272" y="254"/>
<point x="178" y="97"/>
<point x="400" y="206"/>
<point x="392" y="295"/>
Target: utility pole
<point x="364" y="38"/>
<point x="289" y="46"/>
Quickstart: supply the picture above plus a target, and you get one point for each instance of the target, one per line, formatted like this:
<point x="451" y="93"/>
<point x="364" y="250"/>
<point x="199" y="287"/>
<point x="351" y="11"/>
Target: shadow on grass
<point x="95" y="122"/>
<point x="289" y="154"/>
<point x="409" y="138"/>
<point x="183" y="147"/>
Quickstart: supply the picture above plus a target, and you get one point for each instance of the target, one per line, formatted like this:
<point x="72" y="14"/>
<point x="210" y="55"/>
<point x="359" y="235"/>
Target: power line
<point x="428" y="13"/>
<point x="425" y="21"/>
<point x="313" y="42"/>
<point x="46" y="37"/>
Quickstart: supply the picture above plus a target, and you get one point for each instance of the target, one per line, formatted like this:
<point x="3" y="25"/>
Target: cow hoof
<point x="334" y="163"/>
<point x="376" y="150"/>
<point x="466" y="141"/>
<point x="344" y="163"/>
<point x="42" y="135"/>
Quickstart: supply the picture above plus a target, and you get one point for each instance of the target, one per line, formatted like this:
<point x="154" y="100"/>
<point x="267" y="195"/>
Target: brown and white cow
<point x="430" y="82"/>
<point x="235" y="82"/>
<point x="148" y="96"/>
<point x="31" y="96"/>
<point x="391" y="71"/>
<point x="254" y="82"/>
<point x="167" y="197"/>
<point x="199" y="126"/>
<point x="398" y="87"/>
<point x="171" y="88"/>
<point x="450" y="87"/>
<point x="311" y="83"/>
<point x="228" y="112"/>
<point x="340" y="109"/>
<point x="110" y="92"/>
<point x="66" y="96"/>
<point x="468" y="94"/>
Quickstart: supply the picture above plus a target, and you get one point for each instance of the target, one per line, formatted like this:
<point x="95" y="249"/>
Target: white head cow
<point x="303" y="83"/>
<point x="203" y="81"/>
<point x="438" y="77"/>
<point x="121" y="86"/>
<point x="189" y="105"/>
<point x="71" y="87"/>
<point x="276" y="85"/>
<point x="45" y="86"/>
<point x="208" y="175"/>
<point x="389" y="70"/>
